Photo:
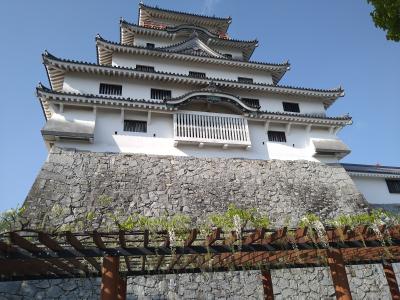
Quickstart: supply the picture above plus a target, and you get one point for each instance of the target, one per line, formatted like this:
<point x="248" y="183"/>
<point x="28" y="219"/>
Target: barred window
<point x="135" y="126"/>
<point x="110" y="89"/>
<point x="290" y="106"/>
<point x="150" y="45"/>
<point x="245" y="80"/>
<point x="393" y="186"/>
<point x="277" y="136"/>
<point x="160" y="94"/>
<point x="197" y="74"/>
<point x="144" y="68"/>
<point x="251" y="102"/>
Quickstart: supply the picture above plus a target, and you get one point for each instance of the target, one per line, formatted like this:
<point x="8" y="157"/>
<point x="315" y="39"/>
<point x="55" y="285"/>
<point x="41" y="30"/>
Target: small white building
<point x="177" y="84"/>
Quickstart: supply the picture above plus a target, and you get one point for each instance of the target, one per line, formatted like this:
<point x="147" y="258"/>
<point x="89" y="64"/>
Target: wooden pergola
<point x="30" y="255"/>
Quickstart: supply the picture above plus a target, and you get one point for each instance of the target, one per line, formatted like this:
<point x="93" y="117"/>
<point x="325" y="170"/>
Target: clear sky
<point x="329" y="43"/>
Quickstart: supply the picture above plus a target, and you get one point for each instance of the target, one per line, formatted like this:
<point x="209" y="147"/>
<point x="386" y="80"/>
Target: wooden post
<point x="339" y="276"/>
<point x="267" y="285"/>
<point x="109" y="278"/>
<point x="392" y="282"/>
<point x="122" y="289"/>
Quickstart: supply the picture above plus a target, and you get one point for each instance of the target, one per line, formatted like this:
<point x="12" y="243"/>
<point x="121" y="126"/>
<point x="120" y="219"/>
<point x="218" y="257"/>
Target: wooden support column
<point x="110" y="278"/>
<point x="339" y="276"/>
<point x="392" y="281"/>
<point x="267" y="285"/>
<point x="121" y="289"/>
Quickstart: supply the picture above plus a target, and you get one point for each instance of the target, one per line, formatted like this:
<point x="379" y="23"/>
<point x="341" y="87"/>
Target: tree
<point x="386" y="15"/>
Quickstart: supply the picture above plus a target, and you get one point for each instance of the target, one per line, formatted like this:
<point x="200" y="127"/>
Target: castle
<point x="177" y="117"/>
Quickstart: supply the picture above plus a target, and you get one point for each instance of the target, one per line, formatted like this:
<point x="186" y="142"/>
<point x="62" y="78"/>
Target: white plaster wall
<point x="110" y="137"/>
<point x="140" y="89"/>
<point x="375" y="190"/>
<point x="182" y="67"/>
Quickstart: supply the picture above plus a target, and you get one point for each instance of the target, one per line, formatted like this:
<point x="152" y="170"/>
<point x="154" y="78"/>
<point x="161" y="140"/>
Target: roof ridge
<point x="228" y="19"/>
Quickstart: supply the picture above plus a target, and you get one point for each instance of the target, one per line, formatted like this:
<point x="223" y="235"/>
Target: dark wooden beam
<point x="122" y="289"/>
<point x="267" y="285"/>
<point x="339" y="276"/>
<point x="189" y="241"/>
<point x="55" y="265"/>
<point x="122" y="242"/>
<point x="145" y="244"/>
<point x="110" y="278"/>
<point x="53" y="245"/>
<point x="391" y="280"/>
<point x="76" y="244"/>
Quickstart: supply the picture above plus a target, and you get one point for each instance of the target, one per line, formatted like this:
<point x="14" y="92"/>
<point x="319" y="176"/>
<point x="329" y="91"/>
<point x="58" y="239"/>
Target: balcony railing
<point x="211" y="128"/>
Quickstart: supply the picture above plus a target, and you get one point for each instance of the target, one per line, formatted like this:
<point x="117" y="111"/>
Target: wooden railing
<point x="211" y="128"/>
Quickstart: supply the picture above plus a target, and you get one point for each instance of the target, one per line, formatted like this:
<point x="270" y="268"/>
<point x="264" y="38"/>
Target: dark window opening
<point x="197" y="74"/>
<point x="227" y="55"/>
<point x="135" y="126"/>
<point x="110" y="89"/>
<point x="393" y="186"/>
<point x="160" y="94"/>
<point x="277" y="136"/>
<point x="290" y="106"/>
<point x="150" y="45"/>
<point x="144" y="68"/>
<point x="255" y="103"/>
<point x="245" y="80"/>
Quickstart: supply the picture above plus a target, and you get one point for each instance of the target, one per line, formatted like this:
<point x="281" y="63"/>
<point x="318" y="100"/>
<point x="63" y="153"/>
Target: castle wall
<point x="155" y="185"/>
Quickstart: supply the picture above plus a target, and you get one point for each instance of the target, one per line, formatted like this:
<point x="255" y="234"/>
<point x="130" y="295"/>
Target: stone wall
<point x="155" y="185"/>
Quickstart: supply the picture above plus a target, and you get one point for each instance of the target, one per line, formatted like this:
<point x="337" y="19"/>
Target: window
<point x="290" y="106"/>
<point x="251" y="102"/>
<point x="197" y="74"/>
<point x="277" y="136"/>
<point x="393" y="186"/>
<point x="110" y="89"/>
<point x="245" y="80"/>
<point x="144" y="68"/>
<point x="227" y="55"/>
<point x="160" y="94"/>
<point x="150" y="45"/>
<point x="135" y="126"/>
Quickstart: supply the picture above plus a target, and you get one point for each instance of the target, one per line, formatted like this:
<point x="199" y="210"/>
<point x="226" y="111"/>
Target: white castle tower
<point x="177" y="84"/>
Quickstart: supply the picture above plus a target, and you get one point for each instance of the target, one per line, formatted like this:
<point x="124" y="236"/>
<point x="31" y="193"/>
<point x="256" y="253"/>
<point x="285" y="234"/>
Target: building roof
<point x="372" y="170"/>
<point x="56" y="68"/>
<point x="129" y="30"/>
<point x="105" y="49"/>
<point x="46" y="94"/>
<point x="147" y="12"/>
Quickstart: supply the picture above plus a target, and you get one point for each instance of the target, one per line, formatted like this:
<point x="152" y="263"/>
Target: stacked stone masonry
<point x="71" y="183"/>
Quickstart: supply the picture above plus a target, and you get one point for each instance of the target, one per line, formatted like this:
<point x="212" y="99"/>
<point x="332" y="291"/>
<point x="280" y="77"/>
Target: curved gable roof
<point x="193" y="45"/>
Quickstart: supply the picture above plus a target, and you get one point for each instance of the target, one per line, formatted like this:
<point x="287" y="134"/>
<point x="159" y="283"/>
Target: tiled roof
<point x="372" y="169"/>
<point x="227" y="19"/>
<point x="172" y="29"/>
<point x="324" y="93"/>
<point x="259" y="114"/>
<point x="285" y="64"/>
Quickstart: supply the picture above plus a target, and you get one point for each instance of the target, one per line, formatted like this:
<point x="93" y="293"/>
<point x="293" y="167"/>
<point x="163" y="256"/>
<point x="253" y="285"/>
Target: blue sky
<point x="329" y="43"/>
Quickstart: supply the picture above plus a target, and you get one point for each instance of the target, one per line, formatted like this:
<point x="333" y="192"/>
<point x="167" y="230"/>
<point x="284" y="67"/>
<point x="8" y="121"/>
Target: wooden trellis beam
<point x="391" y="280"/>
<point x="339" y="276"/>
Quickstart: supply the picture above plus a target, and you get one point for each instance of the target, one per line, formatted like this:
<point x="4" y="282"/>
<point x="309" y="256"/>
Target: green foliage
<point x="364" y="219"/>
<point x="225" y="221"/>
<point x="11" y="219"/>
<point x="386" y="15"/>
<point x="105" y="200"/>
<point x="308" y="220"/>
